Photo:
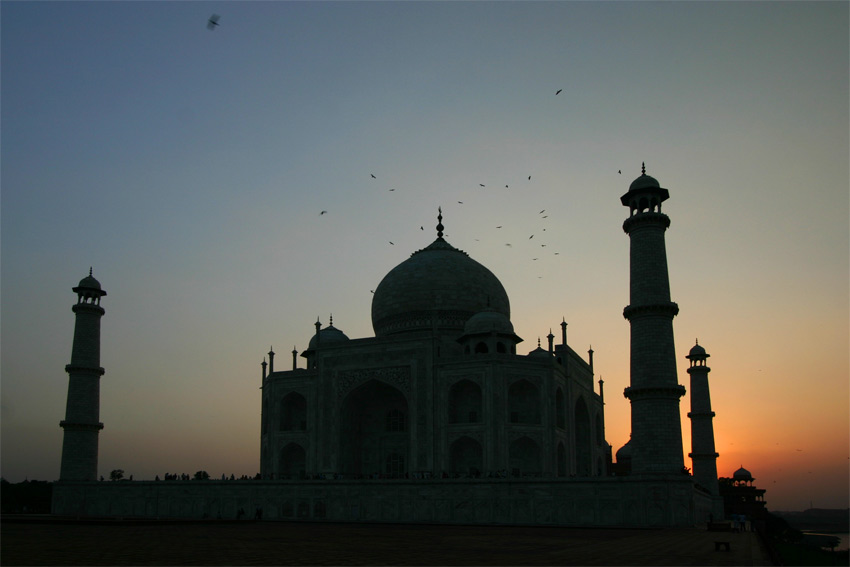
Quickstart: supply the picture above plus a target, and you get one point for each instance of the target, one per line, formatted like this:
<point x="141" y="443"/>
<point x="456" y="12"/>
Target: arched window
<point x="465" y="402"/>
<point x="524" y="402"/>
<point x="481" y="348"/>
<point x="500" y="348"/>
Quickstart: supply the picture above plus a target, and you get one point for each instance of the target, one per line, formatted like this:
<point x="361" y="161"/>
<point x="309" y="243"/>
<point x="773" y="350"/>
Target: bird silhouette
<point x="212" y="23"/>
<point x="481" y="184"/>
<point x="392" y="189"/>
<point x="508" y="245"/>
<point x="373" y="176"/>
<point x="372" y="290"/>
<point x="323" y="213"/>
<point x="461" y="202"/>
<point x="559" y="92"/>
<point x="545" y="216"/>
<point x="498" y="227"/>
<point x="391" y="242"/>
<point x="620" y="171"/>
<point x="530" y="237"/>
<point x="557" y="253"/>
<point x="529" y="178"/>
<point x="541" y="212"/>
<point x="543" y="246"/>
<point x="534" y="258"/>
<point x="421" y="228"/>
<point x="506" y="186"/>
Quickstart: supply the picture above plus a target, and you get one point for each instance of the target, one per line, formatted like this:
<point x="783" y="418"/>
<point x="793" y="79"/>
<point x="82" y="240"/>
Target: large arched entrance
<point x="374" y="431"/>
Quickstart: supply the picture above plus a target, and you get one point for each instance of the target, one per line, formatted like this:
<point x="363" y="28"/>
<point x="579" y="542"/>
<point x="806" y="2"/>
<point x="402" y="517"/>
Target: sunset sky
<point x="189" y="168"/>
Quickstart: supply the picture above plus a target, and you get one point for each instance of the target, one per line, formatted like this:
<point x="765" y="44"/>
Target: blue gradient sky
<point x="189" y="168"/>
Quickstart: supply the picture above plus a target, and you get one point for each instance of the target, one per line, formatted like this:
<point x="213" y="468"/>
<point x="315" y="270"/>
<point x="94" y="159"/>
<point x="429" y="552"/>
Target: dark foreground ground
<point x="53" y="542"/>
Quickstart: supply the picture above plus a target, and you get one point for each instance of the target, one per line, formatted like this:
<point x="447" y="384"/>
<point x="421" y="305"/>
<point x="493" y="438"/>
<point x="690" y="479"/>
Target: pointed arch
<point x="524" y="458"/>
<point x="373" y="427"/>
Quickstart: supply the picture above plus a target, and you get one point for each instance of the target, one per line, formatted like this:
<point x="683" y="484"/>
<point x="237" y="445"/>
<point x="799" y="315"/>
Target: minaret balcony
<point x="668" y="309"/>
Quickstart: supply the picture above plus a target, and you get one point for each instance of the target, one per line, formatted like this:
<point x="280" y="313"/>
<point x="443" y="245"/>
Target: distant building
<point x="438" y="418"/>
<point x="741" y="497"/>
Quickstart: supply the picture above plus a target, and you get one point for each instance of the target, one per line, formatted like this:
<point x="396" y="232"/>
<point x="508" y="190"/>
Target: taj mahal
<point x="438" y="418"/>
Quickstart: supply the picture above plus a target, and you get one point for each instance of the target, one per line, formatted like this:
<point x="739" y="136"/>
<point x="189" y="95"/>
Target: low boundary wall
<point x="611" y="501"/>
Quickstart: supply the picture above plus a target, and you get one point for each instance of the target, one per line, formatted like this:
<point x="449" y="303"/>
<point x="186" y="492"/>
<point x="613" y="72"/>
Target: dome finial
<point x="90" y="271"/>
<point x="331" y="324"/>
<point x="643" y="168"/>
<point x="440" y="223"/>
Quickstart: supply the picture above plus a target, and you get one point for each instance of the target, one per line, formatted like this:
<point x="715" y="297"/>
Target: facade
<point x="440" y="389"/>
<point x="437" y="418"/>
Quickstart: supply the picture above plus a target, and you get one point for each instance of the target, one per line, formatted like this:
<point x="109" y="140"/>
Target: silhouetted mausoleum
<point x="437" y="418"/>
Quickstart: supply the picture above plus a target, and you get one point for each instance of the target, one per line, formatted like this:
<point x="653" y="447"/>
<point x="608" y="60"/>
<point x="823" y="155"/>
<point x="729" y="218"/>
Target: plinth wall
<point x="612" y="501"/>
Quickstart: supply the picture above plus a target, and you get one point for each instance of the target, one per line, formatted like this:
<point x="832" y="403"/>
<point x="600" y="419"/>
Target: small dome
<point x="89" y="287"/>
<point x="89" y="282"/>
<point x="625" y="452"/>
<point x="330" y="335"/>
<point x="488" y="321"/>
<point x="742" y="474"/>
<point x="644" y="182"/>
<point x="539" y="352"/>
<point x="696" y="350"/>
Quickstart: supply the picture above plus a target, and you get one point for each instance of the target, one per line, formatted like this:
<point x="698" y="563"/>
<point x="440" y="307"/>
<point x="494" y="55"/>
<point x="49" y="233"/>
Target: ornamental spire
<point x="440" y="223"/>
<point x="643" y="168"/>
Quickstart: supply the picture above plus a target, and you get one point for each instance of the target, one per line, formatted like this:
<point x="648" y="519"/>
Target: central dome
<point x="437" y="288"/>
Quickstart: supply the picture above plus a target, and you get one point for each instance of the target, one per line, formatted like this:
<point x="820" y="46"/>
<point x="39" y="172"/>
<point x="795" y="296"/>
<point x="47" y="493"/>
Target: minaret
<point x="82" y="411"/>
<point x="703" y="455"/>
<point x="654" y="389"/>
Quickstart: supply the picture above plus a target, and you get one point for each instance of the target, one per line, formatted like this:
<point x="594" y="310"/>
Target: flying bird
<point x="212" y="23"/>
<point x="323" y="213"/>
<point x="508" y="245"/>
<point x="392" y="189"/>
<point x="461" y="202"/>
<point x="373" y="176"/>
<point x="481" y="184"/>
<point x="559" y="92"/>
<point x="541" y="212"/>
<point x="620" y="171"/>
<point x="534" y="258"/>
<point x="545" y="216"/>
<point x="421" y="228"/>
<point x="529" y="178"/>
<point x="391" y="242"/>
<point x="498" y="227"/>
<point x="530" y="237"/>
<point x="506" y="186"/>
